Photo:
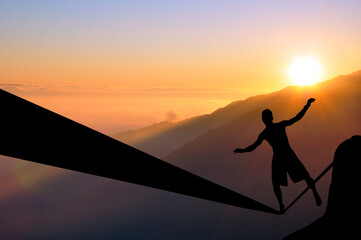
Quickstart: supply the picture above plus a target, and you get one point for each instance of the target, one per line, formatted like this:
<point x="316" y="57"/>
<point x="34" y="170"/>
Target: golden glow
<point x="305" y="71"/>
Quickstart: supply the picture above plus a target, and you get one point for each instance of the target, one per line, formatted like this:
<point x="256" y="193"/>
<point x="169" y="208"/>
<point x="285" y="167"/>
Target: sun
<point x="305" y="71"/>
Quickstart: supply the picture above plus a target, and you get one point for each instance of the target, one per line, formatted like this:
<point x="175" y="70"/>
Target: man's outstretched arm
<point x="300" y="114"/>
<point x="250" y="148"/>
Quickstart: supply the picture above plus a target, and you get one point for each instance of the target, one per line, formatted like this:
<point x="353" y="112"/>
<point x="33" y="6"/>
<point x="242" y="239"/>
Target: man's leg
<point x="311" y="184"/>
<point x="278" y="193"/>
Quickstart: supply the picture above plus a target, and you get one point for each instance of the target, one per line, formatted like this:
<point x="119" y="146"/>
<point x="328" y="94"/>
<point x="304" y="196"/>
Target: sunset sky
<point x="118" y="65"/>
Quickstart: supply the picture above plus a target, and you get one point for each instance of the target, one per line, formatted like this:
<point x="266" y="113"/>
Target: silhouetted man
<point x="284" y="158"/>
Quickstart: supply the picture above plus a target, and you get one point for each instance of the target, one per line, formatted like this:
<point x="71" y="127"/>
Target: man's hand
<point x="238" y="150"/>
<point x="311" y="100"/>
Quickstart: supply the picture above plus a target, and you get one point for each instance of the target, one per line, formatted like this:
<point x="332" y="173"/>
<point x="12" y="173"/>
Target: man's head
<point x="267" y="116"/>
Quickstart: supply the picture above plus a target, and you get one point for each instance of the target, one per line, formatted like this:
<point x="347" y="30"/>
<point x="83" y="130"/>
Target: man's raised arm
<point x="300" y="114"/>
<point x="250" y="148"/>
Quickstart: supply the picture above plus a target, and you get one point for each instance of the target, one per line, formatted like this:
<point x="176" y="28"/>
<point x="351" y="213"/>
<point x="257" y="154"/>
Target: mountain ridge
<point x="161" y="139"/>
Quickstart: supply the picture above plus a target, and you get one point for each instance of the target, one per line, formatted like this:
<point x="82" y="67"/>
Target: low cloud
<point x="171" y="116"/>
<point x="50" y="90"/>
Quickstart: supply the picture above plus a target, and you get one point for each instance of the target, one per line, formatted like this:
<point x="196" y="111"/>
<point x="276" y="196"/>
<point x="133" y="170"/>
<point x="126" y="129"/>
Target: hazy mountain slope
<point x="134" y="137"/>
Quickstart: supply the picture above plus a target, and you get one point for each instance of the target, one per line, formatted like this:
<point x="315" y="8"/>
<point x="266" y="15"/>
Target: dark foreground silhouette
<point x="32" y="133"/>
<point x="284" y="158"/>
<point x="341" y="219"/>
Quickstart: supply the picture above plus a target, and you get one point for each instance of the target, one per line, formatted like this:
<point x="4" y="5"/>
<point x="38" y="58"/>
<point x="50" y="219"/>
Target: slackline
<point x="33" y="133"/>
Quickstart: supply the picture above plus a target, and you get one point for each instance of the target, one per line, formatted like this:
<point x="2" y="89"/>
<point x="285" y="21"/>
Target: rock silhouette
<point x="343" y="210"/>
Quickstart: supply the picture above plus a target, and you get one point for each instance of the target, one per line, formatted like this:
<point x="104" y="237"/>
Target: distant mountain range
<point x="204" y="144"/>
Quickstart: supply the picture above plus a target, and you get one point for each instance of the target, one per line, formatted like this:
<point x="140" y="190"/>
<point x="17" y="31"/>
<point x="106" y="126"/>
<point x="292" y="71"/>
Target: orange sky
<point x="116" y="66"/>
